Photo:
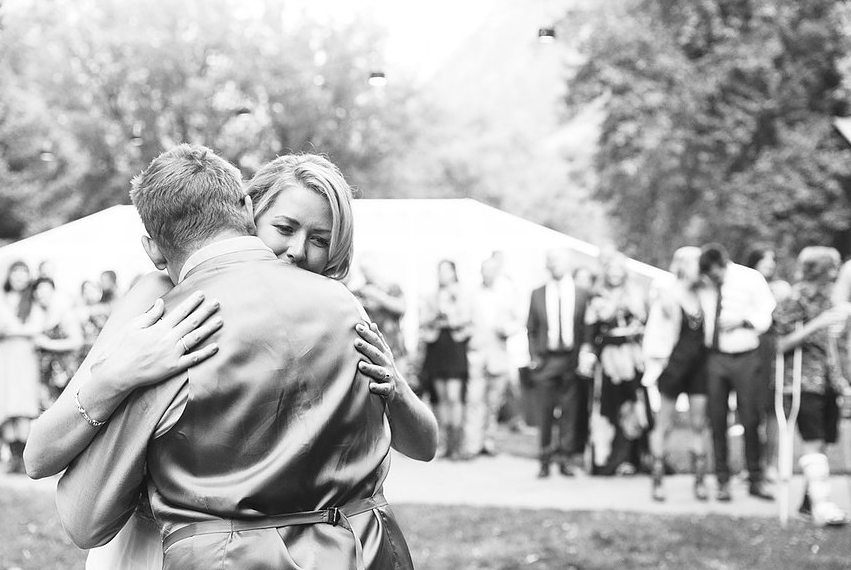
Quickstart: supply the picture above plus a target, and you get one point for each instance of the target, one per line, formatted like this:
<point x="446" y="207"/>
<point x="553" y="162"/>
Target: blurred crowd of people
<point x="608" y="359"/>
<point x="44" y="335"/>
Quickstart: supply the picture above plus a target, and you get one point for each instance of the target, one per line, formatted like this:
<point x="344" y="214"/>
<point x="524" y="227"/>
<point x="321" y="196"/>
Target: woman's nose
<point x="296" y="248"/>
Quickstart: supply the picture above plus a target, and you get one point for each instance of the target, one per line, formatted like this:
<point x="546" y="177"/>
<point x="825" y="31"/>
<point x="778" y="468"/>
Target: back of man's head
<point x="187" y="196"/>
<point x="712" y="255"/>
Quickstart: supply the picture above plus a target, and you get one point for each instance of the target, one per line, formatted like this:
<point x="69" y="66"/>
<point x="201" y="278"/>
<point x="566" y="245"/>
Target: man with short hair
<point x="277" y="455"/>
<point x="737" y="306"/>
<point x="557" y="347"/>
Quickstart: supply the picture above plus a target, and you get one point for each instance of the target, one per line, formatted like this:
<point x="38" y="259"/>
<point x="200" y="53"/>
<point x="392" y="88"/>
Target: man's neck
<point x="178" y="259"/>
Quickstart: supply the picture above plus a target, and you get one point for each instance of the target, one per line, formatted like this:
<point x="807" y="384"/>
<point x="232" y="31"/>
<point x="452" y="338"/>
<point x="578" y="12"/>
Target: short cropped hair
<point x="319" y="174"/>
<point x="817" y="262"/>
<point x="188" y="195"/>
<point x="712" y="255"/>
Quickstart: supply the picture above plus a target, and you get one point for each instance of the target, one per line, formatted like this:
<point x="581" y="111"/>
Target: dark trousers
<point x="740" y="373"/>
<point x="559" y="388"/>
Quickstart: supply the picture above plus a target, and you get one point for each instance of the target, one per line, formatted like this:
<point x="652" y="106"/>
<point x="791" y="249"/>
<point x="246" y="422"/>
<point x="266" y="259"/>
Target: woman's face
<point x="297" y="227"/>
<point x="767" y="265"/>
<point x="690" y="269"/>
<point x="91" y="292"/>
<point x="43" y="294"/>
<point x="445" y="274"/>
<point x="615" y="276"/>
<point x="19" y="278"/>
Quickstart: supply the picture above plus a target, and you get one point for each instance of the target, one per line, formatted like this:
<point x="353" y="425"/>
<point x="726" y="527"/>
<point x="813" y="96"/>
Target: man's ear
<point x="154" y="252"/>
<point x="248" y="205"/>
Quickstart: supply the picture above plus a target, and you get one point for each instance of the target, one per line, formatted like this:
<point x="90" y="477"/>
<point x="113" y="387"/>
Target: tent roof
<point x="425" y="227"/>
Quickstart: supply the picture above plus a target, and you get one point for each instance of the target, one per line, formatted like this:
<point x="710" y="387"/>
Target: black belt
<point x="716" y="351"/>
<point x="337" y="516"/>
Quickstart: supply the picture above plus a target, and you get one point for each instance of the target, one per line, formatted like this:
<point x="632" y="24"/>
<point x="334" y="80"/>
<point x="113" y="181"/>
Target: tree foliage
<point x="718" y="122"/>
<point x="103" y="86"/>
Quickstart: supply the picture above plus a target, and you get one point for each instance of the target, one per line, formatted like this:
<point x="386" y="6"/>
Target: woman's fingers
<point x="196" y="356"/>
<point x="374" y="328"/>
<point x="152" y="315"/>
<point x="199" y="335"/>
<point x="383" y="390"/>
<point x="183" y="309"/>
<point x="196" y="318"/>
<point x="375" y="372"/>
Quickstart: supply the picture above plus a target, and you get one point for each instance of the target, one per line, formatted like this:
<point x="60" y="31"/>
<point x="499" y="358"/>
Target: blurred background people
<point x="556" y="331"/>
<point x="615" y="317"/>
<point x="675" y="358"/>
<point x="494" y="318"/>
<point x="109" y="287"/>
<point x="59" y="341"/>
<point x="445" y="329"/>
<point x="738" y="304"/>
<point x="763" y="259"/>
<point x="584" y="277"/>
<point x="803" y="321"/>
<point x="385" y="304"/>
<point x="19" y="367"/>
<point x="91" y="314"/>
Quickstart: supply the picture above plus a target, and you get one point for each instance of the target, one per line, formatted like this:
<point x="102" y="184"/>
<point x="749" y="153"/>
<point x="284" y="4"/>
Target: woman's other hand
<point x="154" y="347"/>
<point x="379" y="364"/>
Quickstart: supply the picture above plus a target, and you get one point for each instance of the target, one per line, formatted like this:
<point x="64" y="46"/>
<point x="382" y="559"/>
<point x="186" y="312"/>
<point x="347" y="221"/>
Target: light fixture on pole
<point x="242" y="112"/>
<point x="377" y="79"/>
<point x="136" y="139"/>
<point x="546" y="35"/>
<point x="46" y="154"/>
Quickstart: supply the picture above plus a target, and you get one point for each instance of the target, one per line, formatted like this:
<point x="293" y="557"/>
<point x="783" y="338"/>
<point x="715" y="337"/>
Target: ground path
<point x="510" y="481"/>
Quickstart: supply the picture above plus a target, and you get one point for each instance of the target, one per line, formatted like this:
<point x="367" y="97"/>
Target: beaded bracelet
<point x="91" y="421"/>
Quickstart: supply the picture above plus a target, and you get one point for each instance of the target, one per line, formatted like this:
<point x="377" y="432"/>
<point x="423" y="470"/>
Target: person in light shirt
<point x="738" y="305"/>
<point x="494" y="319"/>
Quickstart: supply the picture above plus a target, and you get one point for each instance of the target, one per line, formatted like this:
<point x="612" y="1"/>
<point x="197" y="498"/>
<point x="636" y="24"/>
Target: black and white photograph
<point x="425" y="284"/>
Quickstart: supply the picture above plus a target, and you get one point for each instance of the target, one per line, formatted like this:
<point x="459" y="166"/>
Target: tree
<point x="106" y="85"/>
<point x="717" y="122"/>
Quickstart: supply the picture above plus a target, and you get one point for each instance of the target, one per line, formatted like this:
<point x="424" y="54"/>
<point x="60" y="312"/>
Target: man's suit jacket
<point x="537" y="328"/>
<point x="278" y="421"/>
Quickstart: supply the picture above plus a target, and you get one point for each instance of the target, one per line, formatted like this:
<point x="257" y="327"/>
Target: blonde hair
<point x="681" y="258"/>
<point x="315" y="173"/>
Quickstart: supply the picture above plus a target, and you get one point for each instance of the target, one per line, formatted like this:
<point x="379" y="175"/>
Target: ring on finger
<point x="388" y="376"/>
<point x="183" y="342"/>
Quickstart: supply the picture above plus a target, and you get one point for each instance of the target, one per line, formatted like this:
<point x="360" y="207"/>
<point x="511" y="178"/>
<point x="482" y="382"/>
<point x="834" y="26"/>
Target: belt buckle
<point x="334" y="516"/>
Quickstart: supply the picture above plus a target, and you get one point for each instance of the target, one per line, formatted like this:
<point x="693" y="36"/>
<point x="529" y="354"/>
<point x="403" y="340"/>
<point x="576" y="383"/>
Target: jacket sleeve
<point x="533" y="325"/>
<point x="99" y="491"/>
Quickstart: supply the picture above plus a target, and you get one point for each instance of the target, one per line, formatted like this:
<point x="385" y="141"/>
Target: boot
<point x="817" y="473"/>
<point x="16" y="465"/>
<point x="657" y="477"/>
<point x="806" y="508"/>
<point x="698" y="466"/>
<point x="443" y="443"/>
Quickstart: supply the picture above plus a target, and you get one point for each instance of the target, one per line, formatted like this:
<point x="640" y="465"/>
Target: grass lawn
<point x="456" y="538"/>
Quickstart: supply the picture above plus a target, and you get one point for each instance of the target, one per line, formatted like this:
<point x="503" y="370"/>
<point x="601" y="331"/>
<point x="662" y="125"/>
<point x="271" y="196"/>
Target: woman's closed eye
<point x="285" y="229"/>
<point x="320" y="241"/>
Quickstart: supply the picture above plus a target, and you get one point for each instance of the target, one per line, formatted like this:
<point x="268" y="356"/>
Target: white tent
<point x="406" y="237"/>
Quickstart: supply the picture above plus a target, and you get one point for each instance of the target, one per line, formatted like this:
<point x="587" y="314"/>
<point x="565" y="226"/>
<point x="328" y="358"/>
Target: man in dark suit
<point x="558" y="347"/>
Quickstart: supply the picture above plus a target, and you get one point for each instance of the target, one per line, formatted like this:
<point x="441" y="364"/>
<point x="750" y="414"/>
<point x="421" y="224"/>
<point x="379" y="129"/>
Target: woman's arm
<point x="831" y="317"/>
<point x="72" y="341"/>
<point x="136" y="348"/>
<point x="412" y="425"/>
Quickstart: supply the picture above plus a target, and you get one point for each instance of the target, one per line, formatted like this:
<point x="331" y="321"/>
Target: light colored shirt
<point x="567" y="291"/>
<point x="745" y="296"/>
<point x="494" y="317"/>
<point x="206" y="253"/>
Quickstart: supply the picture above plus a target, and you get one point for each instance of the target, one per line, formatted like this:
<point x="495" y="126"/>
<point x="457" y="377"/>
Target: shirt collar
<point x="218" y="248"/>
